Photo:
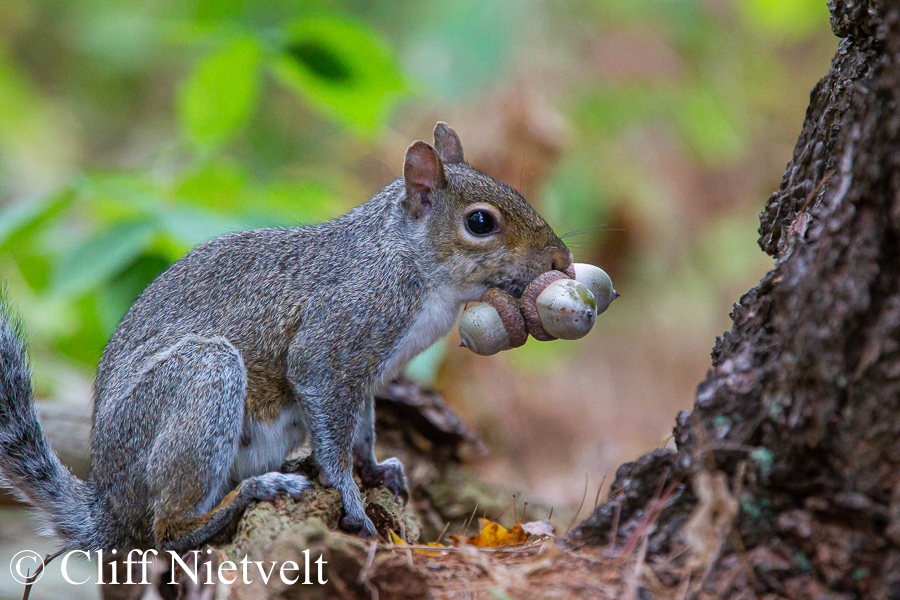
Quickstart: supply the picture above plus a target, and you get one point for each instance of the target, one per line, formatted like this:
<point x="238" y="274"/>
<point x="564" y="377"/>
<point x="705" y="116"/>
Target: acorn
<point x="494" y="325"/>
<point x="567" y="309"/>
<point x="528" y="304"/>
<point x="510" y="315"/>
<point x="556" y="305"/>
<point x="482" y="331"/>
<point x="598" y="282"/>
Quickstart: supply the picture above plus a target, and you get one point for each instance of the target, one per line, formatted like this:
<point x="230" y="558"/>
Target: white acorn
<point x="567" y="309"/>
<point x="482" y="331"/>
<point x="598" y="282"/>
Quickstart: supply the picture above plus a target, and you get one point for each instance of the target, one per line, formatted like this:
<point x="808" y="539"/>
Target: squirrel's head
<point x="484" y="232"/>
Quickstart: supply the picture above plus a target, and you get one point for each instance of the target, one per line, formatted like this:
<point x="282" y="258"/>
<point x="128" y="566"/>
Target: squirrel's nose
<point x="562" y="259"/>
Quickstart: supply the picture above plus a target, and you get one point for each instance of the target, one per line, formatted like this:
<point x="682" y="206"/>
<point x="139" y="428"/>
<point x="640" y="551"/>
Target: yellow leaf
<point x="396" y="539"/>
<point x="431" y="552"/>
<point x="491" y="535"/>
<point x="517" y="535"/>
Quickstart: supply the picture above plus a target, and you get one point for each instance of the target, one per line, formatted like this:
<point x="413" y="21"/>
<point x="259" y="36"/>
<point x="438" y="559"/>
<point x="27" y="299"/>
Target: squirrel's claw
<point x="364" y="528"/>
<point x="394" y="479"/>
<point x="389" y="474"/>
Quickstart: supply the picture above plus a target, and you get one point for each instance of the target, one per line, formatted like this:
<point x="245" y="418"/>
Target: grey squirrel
<point x="255" y="340"/>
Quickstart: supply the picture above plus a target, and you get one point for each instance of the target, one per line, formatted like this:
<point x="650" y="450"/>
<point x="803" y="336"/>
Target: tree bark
<point x="801" y="408"/>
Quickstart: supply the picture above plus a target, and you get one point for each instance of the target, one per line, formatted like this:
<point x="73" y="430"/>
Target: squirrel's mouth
<point x="515" y="291"/>
<point x="513" y="283"/>
<point x="513" y="288"/>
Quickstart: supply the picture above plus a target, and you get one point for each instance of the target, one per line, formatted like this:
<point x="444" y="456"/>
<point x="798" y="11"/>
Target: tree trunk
<point x="801" y="408"/>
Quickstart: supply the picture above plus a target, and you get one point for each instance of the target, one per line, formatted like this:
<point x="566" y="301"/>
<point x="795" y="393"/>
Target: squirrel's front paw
<point x="389" y="474"/>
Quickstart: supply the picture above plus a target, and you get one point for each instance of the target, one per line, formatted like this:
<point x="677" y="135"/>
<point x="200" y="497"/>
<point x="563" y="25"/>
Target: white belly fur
<point x="438" y="315"/>
<point x="270" y="443"/>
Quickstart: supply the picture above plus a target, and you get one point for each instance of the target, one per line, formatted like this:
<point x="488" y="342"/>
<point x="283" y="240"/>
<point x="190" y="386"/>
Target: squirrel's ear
<point x="447" y="143"/>
<point x="423" y="173"/>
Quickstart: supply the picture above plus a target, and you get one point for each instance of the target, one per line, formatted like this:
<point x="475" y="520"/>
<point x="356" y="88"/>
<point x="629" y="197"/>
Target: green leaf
<point x="88" y="336"/>
<point x="119" y="196"/>
<point x="789" y="20"/>
<point x="16" y="216"/>
<point x="341" y="68"/>
<point x="115" y="298"/>
<point x="215" y="187"/>
<point x="100" y="258"/>
<point x="189" y="227"/>
<point x="220" y="94"/>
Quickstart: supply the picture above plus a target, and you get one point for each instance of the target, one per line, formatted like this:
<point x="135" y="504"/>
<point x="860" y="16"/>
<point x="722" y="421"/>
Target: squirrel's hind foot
<point x="270" y="485"/>
<point x="388" y="473"/>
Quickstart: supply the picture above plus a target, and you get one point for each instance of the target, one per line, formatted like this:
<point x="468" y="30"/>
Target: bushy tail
<point x="27" y="464"/>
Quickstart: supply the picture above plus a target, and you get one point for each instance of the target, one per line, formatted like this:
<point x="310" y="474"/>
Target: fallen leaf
<point x="491" y="535"/>
<point x="433" y="545"/>
<point x="539" y="528"/>
<point x="396" y="539"/>
<point x="517" y="534"/>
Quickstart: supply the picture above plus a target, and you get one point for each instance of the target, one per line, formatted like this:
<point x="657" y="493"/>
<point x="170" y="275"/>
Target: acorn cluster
<point x="556" y="305"/>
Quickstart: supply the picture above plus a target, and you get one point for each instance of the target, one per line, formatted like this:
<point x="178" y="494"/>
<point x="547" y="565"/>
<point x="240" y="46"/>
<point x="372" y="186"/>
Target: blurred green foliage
<point x="75" y="251"/>
<point x="130" y="132"/>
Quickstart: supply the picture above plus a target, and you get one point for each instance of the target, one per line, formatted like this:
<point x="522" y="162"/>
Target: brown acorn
<point x="528" y="304"/>
<point x="510" y="315"/>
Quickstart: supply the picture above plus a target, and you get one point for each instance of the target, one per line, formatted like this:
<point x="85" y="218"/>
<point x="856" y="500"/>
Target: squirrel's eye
<point x="480" y="222"/>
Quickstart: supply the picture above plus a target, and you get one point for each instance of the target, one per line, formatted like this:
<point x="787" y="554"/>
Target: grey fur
<point x="257" y="339"/>
<point x="28" y="467"/>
